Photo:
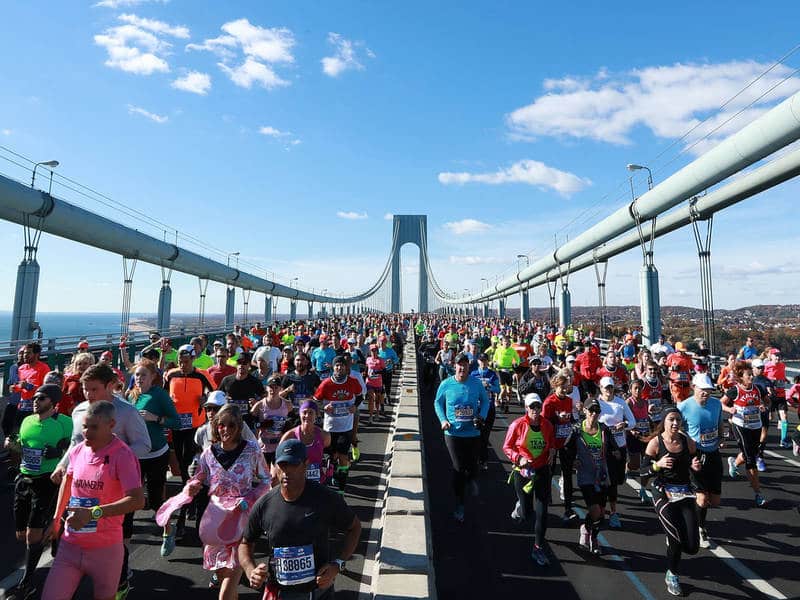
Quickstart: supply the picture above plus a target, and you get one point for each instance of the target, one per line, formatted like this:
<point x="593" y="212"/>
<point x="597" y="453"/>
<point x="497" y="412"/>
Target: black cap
<point x="592" y="405"/>
<point x="483" y="356"/>
<point x="461" y="357"/>
<point x="291" y="451"/>
<point x="49" y="390"/>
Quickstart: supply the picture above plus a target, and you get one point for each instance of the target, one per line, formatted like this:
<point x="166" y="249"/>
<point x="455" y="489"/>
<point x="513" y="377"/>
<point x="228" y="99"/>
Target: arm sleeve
<point x="630" y="419"/>
<point x="510" y="443"/>
<point x="494" y="383"/>
<point x="483" y="398"/>
<point x="439" y="402"/>
<point x="136" y="433"/>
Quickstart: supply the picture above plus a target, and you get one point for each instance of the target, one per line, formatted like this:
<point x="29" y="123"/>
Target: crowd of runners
<point x="599" y="415"/>
<point x="260" y="427"/>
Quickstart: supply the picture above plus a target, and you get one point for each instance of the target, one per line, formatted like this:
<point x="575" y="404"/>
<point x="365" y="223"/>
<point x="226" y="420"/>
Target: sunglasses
<point x="212" y="408"/>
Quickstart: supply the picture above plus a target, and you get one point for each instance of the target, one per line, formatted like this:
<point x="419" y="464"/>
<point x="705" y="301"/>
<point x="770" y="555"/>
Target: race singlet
<point x="294" y="564"/>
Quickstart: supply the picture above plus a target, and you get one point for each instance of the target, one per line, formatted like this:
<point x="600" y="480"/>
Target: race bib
<point x="32" y="459"/>
<point x="642" y="426"/>
<point x="277" y="425"/>
<point x="91" y="526"/>
<point x="619" y="437"/>
<point x="341" y="409"/>
<point x="463" y="414"/>
<point x="313" y="472"/>
<point x="563" y="430"/>
<point x="751" y="416"/>
<point x="243" y="404"/>
<point x="294" y="565"/>
<point x="186" y="420"/>
<point x="676" y="493"/>
<point x="708" y="437"/>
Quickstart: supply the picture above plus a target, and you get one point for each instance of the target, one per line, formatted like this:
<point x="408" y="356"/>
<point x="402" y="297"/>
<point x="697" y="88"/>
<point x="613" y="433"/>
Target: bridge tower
<point x="410" y="229"/>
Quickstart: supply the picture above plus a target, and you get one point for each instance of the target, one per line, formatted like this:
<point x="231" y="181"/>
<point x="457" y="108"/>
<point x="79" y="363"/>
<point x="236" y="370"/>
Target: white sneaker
<point x="583" y="538"/>
<point x="704" y="543"/>
<point x="561" y="487"/>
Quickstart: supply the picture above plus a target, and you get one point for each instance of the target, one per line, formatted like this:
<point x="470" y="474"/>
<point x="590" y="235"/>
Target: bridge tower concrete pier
<point x="230" y="306"/>
<point x="501" y="307"/>
<point x="525" y="306"/>
<point x="310" y="310"/>
<point x="293" y="310"/>
<point x="650" y="304"/>
<point x="267" y="309"/>
<point x="410" y="229"/>
<point x="164" y="306"/>
<point x="23" y="320"/>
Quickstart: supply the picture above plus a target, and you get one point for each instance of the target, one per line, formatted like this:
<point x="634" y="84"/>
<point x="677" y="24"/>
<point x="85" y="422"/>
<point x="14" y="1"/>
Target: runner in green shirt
<point x="505" y="358"/>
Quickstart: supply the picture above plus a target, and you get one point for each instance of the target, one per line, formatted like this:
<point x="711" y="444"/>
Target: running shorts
<point x="505" y="377"/>
<point x="748" y="440"/>
<point x="709" y="478"/>
<point x="34" y="501"/>
<point x="340" y="442"/>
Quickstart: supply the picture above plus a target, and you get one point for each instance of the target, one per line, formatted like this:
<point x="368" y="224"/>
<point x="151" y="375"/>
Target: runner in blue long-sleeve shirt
<point x="491" y="383"/>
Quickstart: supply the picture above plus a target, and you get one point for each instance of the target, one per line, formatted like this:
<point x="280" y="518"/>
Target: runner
<point x="243" y="389"/>
<point x="391" y="359"/>
<point x="221" y="368"/>
<point x="505" y="360"/>
<point x="314" y="439"/>
<point x="702" y="416"/>
<point x="529" y="445"/>
<point x="669" y="457"/>
<point x="31" y="375"/>
<point x="681" y="368"/>
<point x="617" y="416"/>
<point x="775" y="371"/>
<point x="534" y="381"/>
<point x="491" y="384"/>
<point x="743" y="403"/>
<point x="338" y="397"/>
<point x="461" y="406"/>
<point x="638" y="436"/>
<point x="766" y="387"/>
<point x="102" y="484"/>
<point x="300" y="558"/>
<point x="444" y="358"/>
<point x="270" y="417"/>
<point x="43" y="438"/>
<point x="557" y="410"/>
<point x="589" y="446"/>
<point x="322" y="358"/>
<point x="375" y="366"/>
<point x="300" y="384"/>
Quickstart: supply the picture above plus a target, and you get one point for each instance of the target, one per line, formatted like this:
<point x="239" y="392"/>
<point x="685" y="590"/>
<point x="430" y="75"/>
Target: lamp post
<point x="45" y="163"/>
<point x="524" y="301"/>
<point x="236" y="254"/>
<point x="634" y="167"/>
<point x="484" y="285"/>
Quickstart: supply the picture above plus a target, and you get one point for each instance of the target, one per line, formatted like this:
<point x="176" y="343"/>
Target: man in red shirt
<point x="221" y="368"/>
<point x="558" y="410"/>
<point x="31" y="376"/>
<point x="680" y="368"/>
<point x="611" y="368"/>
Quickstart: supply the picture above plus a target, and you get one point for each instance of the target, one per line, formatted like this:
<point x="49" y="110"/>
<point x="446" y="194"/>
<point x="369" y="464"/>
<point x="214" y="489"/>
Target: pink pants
<point x="102" y="565"/>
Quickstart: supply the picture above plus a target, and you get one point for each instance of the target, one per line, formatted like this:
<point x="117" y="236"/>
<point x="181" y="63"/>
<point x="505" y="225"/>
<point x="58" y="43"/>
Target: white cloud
<point x="6" y="131"/>
<point x="138" y="46"/>
<point x="137" y="110"/>
<point x="252" y="71"/>
<point x="160" y="27"/>
<point x="125" y="3"/>
<point x="531" y="172"/>
<point x="351" y="215"/>
<point x="194" y="82"/>
<point x="467" y="226"/>
<point x="475" y="260"/>
<point x="669" y="100"/>
<point x="272" y="132"/>
<point x="345" y="56"/>
<point x="388" y="217"/>
<point x="255" y="46"/>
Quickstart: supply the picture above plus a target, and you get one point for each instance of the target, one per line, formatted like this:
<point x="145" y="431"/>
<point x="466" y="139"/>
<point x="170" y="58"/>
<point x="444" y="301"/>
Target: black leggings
<point x="486" y="431"/>
<point x="679" y="520"/>
<point x="185" y="449"/>
<point x="748" y="440"/>
<point x="566" y="464"/>
<point x="537" y="500"/>
<point x="154" y="477"/>
<point x="464" y="456"/>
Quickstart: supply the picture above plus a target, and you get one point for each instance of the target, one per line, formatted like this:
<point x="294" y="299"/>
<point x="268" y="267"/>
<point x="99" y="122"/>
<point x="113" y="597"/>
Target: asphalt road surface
<point x="754" y="551"/>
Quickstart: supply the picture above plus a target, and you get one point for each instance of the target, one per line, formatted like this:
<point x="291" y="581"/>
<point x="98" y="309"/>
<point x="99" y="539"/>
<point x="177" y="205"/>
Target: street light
<point x="633" y="167"/>
<point x="236" y="254"/>
<point x="46" y="163"/>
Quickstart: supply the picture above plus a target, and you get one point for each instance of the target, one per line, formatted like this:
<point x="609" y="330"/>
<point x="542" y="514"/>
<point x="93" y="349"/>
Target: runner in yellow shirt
<point x="505" y="359"/>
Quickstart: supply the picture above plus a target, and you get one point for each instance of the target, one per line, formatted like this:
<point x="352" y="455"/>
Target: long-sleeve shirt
<point x="519" y="443"/>
<point x="459" y="403"/>
<point x="129" y="427"/>
<point x="489" y="379"/>
<point x="613" y="413"/>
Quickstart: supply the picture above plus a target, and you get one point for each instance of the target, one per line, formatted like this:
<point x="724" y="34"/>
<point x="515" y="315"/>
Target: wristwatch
<point x="96" y="512"/>
<point x="339" y="563"/>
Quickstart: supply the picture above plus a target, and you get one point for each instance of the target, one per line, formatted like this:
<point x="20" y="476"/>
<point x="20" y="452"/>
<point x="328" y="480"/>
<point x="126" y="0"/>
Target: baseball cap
<point x="291" y="451"/>
<point x="535" y="360"/>
<point x="680" y="346"/>
<point x="606" y="382"/>
<point x="216" y="398"/>
<point x="483" y="356"/>
<point x="702" y="381"/>
<point x="462" y="357"/>
<point x="757" y="363"/>
<point x="531" y="399"/>
<point x="107" y="355"/>
<point x="218" y="343"/>
<point x="83" y="345"/>
<point x="570" y="358"/>
<point x="593" y="405"/>
<point x="186" y="349"/>
<point x="49" y="390"/>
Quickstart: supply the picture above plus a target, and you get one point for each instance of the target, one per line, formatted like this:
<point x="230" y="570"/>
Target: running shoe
<point x="473" y="487"/>
<point x="568" y="516"/>
<point x="458" y="513"/>
<point x="539" y="556"/>
<point x="214" y="581"/>
<point x="785" y="444"/>
<point x="733" y="470"/>
<point x="704" y="543"/>
<point x="583" y="538"/>
<point x="614" y="521"/>
<point x="673" y="585"/>
<point x="561" y="487"/>
<point x="594" y="546"/>
<point x="643" y="497"/>
<point x="355" y="453"/>
<point x="795" y="448"/>
<point x="122" y="591"/>
<point x="761" y="465"/>
<point x="516" y="514"/>
<point x="167" y="543"/>
<point x="760" y="500"/>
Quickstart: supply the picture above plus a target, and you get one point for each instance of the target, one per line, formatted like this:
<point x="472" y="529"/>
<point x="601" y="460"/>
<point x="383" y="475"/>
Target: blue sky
<point x="288" y="130"/>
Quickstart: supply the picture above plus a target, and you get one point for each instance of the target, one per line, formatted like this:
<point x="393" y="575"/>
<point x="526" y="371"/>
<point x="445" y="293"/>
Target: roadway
<point x="489" y="556"/>
<point x="182" y="576"/>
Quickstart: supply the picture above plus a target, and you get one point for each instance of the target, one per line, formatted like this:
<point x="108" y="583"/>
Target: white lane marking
<point x="741" y="569"/>
<point x="792" y="462"/>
